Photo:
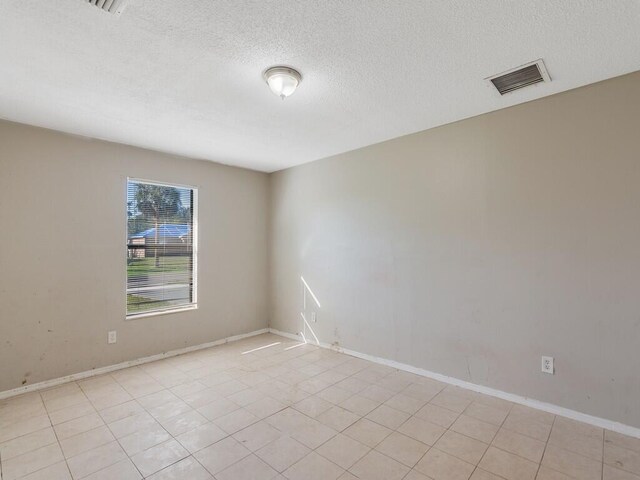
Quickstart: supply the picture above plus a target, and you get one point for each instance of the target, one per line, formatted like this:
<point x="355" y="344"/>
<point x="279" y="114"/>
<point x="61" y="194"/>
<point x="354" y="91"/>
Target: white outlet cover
<point x="112" y="337"/>
<point x="547" y="365"/>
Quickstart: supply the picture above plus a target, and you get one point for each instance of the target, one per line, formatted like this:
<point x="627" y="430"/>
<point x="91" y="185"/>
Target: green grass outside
<point x="137" y="304"/>
<point x="137" y="267"/>
<point x="145" y="266"/>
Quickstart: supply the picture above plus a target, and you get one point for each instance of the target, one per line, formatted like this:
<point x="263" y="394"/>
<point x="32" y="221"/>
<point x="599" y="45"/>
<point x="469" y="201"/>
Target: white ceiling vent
<point x="520" y="77"/>
<point x="112" y="6"/>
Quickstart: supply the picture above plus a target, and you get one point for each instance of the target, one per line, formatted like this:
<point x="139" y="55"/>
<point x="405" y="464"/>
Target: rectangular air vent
<point x="112" y="6"/>
<point x="520" y="77"/>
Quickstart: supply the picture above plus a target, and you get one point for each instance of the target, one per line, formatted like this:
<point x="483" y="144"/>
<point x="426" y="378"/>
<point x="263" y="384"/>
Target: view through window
<point x="160" y="247"/>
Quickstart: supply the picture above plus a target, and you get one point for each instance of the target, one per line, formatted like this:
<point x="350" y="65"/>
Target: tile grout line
<point x="580" y="454"/>
<point x="97" y="372"/>
<point x="329" y="369"/>
<point x="251" y="452"/>
<point x="365" y="417"/>
<point x="55" y="433"/>
<point x="512" y="403"/>
<point x="603" y="440"/>
<point x="107" y="425"/>
<point x="492" y="440"/>
<point x="338" y="406"/>
<point x="488" y="444"/>
<point x="615" y="426"/>
<point x="413" y="415"/>
<point x="308" y="416"/>
<point x="130" y="457"/>
<point x="252" y="368"/>
<point x="472" y="438"/>
<point x="208" y="422"/>
<point x="434" y="445"/>
<point x="546" y="444"/>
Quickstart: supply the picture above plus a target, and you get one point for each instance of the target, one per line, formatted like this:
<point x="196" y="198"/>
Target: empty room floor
<point x="269" y="407"/>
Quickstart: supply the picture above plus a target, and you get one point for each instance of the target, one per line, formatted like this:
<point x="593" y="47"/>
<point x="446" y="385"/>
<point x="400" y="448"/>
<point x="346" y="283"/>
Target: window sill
<point x="186" y="308"/>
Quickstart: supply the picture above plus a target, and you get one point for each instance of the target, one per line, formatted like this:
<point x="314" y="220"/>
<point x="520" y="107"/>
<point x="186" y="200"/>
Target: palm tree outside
<point x="157" y="202"/>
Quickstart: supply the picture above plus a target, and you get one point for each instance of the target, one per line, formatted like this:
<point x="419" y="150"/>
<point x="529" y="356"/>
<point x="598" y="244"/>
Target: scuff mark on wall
<point x="478" y="368"/>
<point x="336" y="335"/>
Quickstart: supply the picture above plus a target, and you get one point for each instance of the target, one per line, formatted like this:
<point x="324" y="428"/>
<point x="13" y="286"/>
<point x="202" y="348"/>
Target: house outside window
<point x="161" y="247"/>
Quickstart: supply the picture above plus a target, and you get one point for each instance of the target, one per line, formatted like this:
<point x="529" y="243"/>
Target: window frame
<point x="194" y="248"/>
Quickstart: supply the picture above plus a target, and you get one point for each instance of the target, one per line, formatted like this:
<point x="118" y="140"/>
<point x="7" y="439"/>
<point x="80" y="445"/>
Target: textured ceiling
<point x="184" y="76"/>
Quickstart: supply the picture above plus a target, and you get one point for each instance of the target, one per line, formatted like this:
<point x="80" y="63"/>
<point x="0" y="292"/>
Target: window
<point x="161" y="247"/>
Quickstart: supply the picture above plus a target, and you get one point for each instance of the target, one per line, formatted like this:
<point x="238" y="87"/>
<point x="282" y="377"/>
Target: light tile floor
<point x="270" y="408"/>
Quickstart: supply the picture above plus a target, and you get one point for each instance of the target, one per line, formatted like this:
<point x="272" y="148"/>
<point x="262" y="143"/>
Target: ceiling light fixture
<point x="282" y="80"/>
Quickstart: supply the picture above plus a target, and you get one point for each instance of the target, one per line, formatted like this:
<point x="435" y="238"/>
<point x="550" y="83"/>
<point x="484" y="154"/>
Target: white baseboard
<point x="511" y="397"/>
<point x="291" y="336"/>
<point x="119" y="366"/>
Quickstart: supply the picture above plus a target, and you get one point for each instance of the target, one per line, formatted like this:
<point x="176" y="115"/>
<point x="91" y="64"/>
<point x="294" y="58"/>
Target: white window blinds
<point x="161" y="260"/>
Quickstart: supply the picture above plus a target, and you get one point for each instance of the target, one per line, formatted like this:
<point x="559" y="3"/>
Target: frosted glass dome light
<point x="282" y="81"/>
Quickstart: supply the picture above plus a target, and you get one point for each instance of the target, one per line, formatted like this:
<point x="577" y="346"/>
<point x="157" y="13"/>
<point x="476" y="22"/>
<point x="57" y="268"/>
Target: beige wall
<point x="62" y="257"/>
<point x="469" y="250"/>
<point x="474" y="248"/>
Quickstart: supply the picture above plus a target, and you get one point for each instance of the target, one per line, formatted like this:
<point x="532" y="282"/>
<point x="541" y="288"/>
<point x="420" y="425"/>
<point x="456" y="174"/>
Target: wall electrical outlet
<point x="547" y="365"/>
<point x="314" y="319"/>
<point x="112" y="338"/>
